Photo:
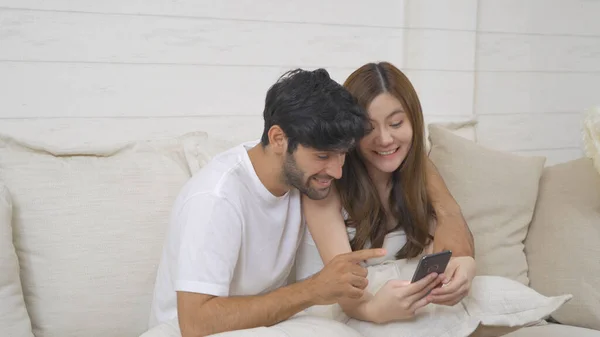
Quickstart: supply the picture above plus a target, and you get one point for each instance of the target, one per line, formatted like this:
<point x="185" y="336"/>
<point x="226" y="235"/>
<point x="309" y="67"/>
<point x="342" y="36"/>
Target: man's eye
<point x="323" y="156"/>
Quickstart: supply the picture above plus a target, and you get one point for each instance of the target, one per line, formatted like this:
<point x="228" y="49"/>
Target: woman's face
<point x="389" y="136"/>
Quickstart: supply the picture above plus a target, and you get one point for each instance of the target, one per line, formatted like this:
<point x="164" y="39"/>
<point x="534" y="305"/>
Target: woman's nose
<point x="385" y="137"/>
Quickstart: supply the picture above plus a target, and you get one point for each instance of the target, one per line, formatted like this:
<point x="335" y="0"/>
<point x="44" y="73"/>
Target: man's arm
<point x="209" y="231"/>
<point x="452" y="231"/>
<point x="202" y="315"/>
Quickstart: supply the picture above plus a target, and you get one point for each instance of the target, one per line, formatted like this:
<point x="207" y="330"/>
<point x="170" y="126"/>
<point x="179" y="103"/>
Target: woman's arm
<point x="328" y="230"/>
<point x="326" y="225"/>
<point x="452" y="231"/>
<point x="395" y="300"/>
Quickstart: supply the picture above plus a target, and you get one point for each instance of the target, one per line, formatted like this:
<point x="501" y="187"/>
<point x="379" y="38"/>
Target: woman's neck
<point x="382" y="181"/>
<point x="383" y="185"/>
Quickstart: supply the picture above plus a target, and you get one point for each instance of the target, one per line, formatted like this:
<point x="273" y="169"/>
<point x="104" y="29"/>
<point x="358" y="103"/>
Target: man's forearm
<point x="458" y="238"/>
<point x="221" y="314"/>
<point x="439" y="194"/>
<point x="456" y="241"/>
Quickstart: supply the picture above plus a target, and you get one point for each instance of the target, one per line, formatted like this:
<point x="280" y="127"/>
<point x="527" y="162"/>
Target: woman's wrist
<point x="371" y="312"/>
<point x="362" y="309"/>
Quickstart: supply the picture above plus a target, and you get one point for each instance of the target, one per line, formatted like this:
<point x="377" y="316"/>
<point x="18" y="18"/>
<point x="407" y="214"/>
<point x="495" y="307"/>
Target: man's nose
<point x="334" y="169"/>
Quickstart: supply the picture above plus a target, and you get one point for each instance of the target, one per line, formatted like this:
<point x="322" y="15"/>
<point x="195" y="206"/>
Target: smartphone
<point x="432" y="263"/>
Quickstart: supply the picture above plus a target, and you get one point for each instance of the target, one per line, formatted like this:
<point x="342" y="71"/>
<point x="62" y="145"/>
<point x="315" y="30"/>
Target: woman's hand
<point x="399" y="299"/>
<point x="458" y="277"/>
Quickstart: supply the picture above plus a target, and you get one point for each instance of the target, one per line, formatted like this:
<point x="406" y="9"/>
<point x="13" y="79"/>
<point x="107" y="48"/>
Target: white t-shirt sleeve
<point x="210" y="240"/>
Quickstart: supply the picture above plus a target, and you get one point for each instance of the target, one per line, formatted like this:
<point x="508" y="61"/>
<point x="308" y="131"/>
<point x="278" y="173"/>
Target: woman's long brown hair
<point x="409" y="203"/>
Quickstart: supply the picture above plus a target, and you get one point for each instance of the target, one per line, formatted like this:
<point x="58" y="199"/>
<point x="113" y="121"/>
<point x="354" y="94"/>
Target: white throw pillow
<point x="165" y="329"/>
<point x="89" y="224"/>
<point x="14" y="320"/>
<point x="464" y="129"/>
<point x="493" y="301"/>
<point x="591" y="135"/>
<point x="496" y="302"/>
<point x="300" y="325"/>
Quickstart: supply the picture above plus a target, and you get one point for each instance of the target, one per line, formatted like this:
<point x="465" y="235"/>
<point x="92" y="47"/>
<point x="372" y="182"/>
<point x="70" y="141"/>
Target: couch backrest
<point x="88" y="224"/>
<point x="91" y="207"/>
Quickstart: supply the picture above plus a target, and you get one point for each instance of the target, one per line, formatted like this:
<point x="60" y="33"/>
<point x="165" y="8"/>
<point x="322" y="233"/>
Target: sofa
<point x="82" y="227"/>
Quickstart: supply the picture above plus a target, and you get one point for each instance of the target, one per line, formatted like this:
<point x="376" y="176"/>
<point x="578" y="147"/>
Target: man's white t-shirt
<point x="228" y="236"/>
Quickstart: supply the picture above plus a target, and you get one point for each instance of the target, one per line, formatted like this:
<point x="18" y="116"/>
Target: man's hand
<point x="343" y="277"/>
<point x="458" y="277"/>
<point x="399" y="299"/>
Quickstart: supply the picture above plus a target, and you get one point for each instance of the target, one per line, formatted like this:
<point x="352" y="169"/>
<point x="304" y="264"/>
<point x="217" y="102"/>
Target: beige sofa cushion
<point x="89" y="225"/>
<point x="497" y="192"/>
<point x="14" y="320"/>
<point x="563" y="244"/>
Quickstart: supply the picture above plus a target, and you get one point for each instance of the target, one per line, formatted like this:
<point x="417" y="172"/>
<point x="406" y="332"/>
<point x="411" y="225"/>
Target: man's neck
<point x="268" y="169"/>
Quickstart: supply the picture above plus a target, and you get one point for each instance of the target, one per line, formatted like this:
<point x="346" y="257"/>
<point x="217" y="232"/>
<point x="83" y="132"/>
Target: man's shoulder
<point x="222" y="174"/>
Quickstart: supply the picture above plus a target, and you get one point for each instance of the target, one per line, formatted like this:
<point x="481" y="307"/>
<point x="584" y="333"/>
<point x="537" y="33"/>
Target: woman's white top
<point x="308" y="260"/>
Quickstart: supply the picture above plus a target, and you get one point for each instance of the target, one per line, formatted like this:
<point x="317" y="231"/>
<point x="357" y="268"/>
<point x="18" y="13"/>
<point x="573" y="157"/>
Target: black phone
<point x="432" y="263"/>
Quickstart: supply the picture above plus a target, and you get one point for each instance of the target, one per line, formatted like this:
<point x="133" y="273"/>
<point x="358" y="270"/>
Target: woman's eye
<point x="395" y="125"/>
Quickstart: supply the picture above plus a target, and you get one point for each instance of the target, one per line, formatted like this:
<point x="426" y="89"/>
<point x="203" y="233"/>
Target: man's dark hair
<point x="313" y="110"/>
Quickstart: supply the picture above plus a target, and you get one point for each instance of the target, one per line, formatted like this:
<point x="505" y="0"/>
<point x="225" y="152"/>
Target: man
<point x="237" y="223"/>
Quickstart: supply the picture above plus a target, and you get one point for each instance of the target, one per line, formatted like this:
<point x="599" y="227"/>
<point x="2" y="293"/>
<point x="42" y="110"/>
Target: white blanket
<point x="494" y="304"/>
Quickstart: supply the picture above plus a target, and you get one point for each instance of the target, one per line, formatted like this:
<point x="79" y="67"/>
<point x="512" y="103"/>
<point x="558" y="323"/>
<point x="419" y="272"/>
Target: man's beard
<point x="293" y="176"/>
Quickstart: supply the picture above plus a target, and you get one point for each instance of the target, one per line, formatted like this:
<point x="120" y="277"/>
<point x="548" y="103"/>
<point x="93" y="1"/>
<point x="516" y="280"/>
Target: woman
<point x="382" y="199"/>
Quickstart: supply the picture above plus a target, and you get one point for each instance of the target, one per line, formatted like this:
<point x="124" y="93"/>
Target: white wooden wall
<point x="537" y="70"/>
<point x="89" y="70"/>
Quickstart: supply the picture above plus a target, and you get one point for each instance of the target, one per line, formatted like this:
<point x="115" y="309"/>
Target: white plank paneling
<point x="103" y="90"/>
<point x="555" y="156"/>
<point x="560" y="17"/>
<point x="444" y="92"/>
<point x="75" y="132"/>
<point x="530" y="131"/>
<point x="441" y="14"/>
<point x="512" y="52"/>
<point x="387" y="13"/>
<point x="439" y="50"/>
<point x="503" y="93"/>
<point x="60" y="36"/>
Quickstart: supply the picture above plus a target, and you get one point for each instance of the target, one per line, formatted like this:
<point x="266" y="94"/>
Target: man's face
<point x="312" y="171"/>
